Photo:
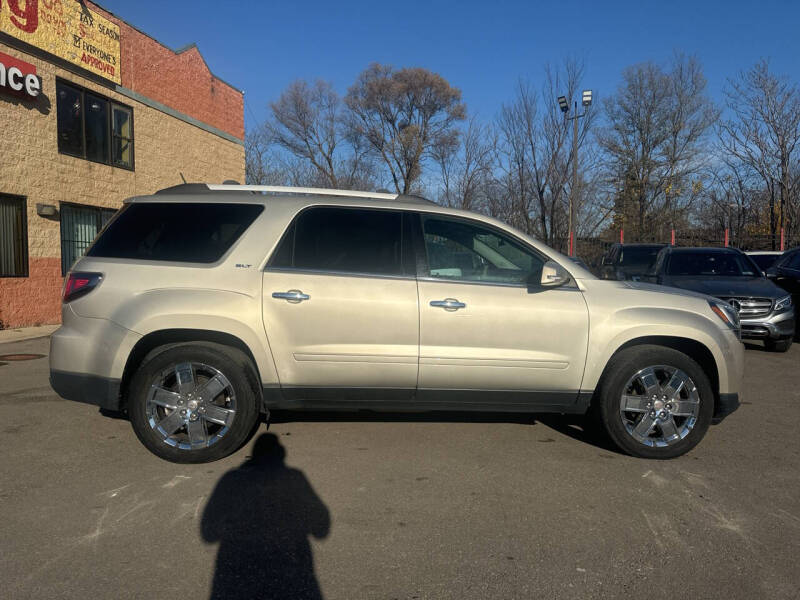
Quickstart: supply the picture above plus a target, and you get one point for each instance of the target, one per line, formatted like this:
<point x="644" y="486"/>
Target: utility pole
<point x="573" y="191"/>
<point x="573" y="197"/>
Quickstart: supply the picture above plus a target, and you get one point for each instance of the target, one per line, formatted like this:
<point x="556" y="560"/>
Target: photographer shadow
<point x="261" y="514"/>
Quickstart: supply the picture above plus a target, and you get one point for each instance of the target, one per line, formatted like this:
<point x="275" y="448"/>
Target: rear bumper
<point x="90" y="389"/>
<point x="726" y="404"/>
<point x="87" y="359"/>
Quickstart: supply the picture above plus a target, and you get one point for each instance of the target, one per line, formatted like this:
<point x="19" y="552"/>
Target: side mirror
<point x="553" y="275"/>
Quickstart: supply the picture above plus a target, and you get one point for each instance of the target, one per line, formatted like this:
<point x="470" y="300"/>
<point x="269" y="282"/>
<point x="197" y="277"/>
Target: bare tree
<point x="401" y="115"/>
<point x="308" y="123"/>
<point x="261" y="164"/>
<point x="731" y="200"/>
<point x="465" y="166"/>
<point x="657" y="124"/>
<point x="763" y="133"/>
<point x="534" y="153"/>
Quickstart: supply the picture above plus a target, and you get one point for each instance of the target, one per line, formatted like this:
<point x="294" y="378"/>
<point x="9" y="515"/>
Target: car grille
<point x="750" y="307"/>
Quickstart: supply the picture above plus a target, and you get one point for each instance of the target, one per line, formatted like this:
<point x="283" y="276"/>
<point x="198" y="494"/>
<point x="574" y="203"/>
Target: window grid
<point x="13" y="237"/>
<point x="79" y="228"/>
<point x="111" y="154"/>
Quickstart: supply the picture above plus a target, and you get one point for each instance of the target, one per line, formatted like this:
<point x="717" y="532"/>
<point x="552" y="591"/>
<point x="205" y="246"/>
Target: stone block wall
<point x="165" y="147"/>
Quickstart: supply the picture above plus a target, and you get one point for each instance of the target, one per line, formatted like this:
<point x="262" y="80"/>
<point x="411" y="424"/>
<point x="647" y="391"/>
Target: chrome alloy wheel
<point x="660" y="405"/>
<point x="191" y="405"/>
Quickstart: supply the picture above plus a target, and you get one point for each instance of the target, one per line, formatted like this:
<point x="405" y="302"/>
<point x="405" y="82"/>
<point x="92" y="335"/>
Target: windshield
<point x="711" y="264"/>
<point x="638" y="256"/>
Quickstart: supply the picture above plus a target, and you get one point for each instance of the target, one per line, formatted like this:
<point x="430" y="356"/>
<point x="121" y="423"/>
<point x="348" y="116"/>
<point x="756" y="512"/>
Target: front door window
<point x="461" y="251"/>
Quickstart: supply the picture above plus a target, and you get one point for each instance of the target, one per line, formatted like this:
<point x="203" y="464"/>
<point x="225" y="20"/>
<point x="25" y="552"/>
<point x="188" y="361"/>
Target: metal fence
<point x="592" y="249"/>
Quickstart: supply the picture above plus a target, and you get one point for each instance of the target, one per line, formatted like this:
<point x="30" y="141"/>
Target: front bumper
<point x="776" y="326"/>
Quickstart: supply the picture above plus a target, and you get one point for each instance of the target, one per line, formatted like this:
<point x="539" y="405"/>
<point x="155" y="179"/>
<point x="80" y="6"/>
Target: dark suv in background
<point x="765" y="310"/>
<point x="786" y="274"/>
<point x="764" y="259"/>
<point x="629" y="261"/>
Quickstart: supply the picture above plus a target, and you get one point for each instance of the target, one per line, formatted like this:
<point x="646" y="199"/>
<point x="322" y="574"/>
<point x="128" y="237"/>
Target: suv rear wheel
<point x="194" y="403"/>
<point x="655" y="402"/>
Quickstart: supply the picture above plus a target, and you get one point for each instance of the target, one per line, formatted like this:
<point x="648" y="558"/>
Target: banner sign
<point x="66" y="29"/>
<point x="18" y="77"/>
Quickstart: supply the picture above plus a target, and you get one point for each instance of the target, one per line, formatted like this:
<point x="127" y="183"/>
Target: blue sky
<point x="481" y="47"/>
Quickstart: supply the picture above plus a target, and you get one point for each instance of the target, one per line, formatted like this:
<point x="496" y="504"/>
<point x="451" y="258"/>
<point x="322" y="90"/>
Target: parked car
<point x="629" y="261"/>
<point x="201" y="306"/>
<point x="786" y="274"/>
<point x="765" y="310"/>
<point x="764" y="259"/>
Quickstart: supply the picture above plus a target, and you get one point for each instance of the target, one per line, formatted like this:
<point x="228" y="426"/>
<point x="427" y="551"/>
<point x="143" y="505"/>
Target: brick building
<point x="93" y="111"/>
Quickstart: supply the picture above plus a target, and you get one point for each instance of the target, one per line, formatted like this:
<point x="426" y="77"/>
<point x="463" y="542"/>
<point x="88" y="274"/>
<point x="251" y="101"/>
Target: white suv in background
<point x="202" y="306"/>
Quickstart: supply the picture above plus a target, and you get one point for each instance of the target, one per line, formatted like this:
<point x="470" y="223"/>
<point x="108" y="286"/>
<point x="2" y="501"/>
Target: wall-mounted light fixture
<point x="46" y="210"/>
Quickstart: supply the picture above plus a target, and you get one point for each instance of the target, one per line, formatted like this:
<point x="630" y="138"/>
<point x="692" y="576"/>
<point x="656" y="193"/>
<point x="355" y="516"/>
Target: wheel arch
<point x="694" y="349"/>
<point x="172" y="337"/>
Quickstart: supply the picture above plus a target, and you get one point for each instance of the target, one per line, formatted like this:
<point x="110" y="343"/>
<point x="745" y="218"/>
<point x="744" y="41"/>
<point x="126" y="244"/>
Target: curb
<point x="26" y="333"/>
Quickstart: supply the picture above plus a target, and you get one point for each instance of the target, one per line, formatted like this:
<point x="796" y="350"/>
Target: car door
<point x="340" y="307"/>
<point x="489" y="333"/>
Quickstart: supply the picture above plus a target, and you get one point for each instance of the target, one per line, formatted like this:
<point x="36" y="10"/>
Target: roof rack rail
<point x="281" y="189"/>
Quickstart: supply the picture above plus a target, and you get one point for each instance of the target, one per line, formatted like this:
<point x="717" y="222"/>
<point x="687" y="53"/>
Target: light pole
<point x="564" y="105"/>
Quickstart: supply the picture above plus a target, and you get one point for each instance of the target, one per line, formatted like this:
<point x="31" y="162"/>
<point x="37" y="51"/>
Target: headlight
<point x="726" y="313"/>
<point x="783" y="303"/>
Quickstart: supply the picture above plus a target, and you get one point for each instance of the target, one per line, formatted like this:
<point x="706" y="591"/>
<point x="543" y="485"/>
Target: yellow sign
<point x="67" y="29"/>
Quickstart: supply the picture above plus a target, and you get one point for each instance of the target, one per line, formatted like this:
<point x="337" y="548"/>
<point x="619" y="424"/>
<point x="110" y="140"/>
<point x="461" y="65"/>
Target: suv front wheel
<point x="193" y="403"/>
<point x="655" y="402"/>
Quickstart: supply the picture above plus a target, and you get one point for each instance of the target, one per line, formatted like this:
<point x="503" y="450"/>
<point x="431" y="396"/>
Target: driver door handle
<point x="450" y="304"/>
<point x="293" y="296"/>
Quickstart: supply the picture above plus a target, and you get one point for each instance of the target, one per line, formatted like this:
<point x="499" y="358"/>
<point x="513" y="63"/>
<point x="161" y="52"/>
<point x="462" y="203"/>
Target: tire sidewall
<point x="229" y="362"/>
<point x="626" y="364"/>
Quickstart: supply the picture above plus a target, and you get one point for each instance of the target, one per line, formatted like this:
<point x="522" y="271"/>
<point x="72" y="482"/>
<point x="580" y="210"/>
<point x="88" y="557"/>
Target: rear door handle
<point x="293" y="296"/>
<point x="450" y="304"/>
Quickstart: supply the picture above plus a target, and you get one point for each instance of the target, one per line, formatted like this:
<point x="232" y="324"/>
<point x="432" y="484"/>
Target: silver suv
<point x="202" y="307"/>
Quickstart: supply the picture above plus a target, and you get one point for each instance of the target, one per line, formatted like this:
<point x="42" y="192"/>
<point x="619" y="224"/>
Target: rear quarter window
<point x="176" y="232"/>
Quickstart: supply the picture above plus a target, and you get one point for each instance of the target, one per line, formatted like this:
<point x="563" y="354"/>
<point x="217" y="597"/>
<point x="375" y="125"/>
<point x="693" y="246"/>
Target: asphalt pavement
<point x="372" y="506"/>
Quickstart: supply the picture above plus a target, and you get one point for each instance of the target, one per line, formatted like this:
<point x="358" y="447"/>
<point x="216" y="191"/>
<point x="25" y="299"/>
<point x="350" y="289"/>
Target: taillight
<point x="79" y="284"/>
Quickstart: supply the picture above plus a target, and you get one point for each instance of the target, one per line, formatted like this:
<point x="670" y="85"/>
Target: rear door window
<point x="343" y="240"/>
<point x="177" y="232"/>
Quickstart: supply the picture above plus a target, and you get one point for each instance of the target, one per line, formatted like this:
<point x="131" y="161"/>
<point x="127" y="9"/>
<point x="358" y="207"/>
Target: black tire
<point x="233" y="364"/>
<point x="622" y="367"/>
<point x="780" y="345"/>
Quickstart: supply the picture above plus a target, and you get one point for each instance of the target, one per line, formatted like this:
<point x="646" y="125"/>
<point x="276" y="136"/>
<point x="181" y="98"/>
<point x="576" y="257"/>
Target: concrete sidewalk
<point x="26" y="333"/>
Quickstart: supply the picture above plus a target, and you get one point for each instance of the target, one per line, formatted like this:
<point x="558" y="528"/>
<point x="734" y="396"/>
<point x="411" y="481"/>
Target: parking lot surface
<point x="376" y="506"/>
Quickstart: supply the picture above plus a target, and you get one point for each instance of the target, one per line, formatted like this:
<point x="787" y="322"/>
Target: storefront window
<point x="96" y="128"/>
<point x="93" y="127"/>
<point x="13" y="237"/>
<point x="79" y="226"/>
<point x="70" y="120"/>
<point x="123" y="137"/>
